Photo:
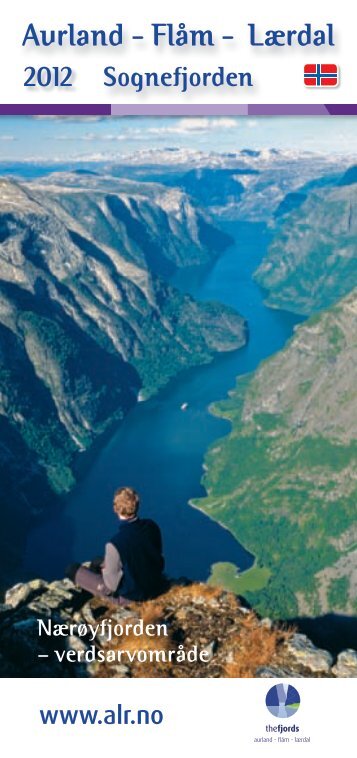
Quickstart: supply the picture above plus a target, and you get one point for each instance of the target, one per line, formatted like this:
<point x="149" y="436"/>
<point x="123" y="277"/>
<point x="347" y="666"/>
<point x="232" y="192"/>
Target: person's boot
<point x="96" y="564"/>
<point x="71" y="571"/>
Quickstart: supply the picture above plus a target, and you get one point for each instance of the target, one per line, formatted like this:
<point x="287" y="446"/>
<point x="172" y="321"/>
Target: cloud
<point x="7" y="138"/>
<point x="113" y="137"/>
<point x="71" y="138"/>
<point x="69" y="119"/>
<point x="190" y="125"/>
<point x="91" y="137"/>
<point x="198" y="125"/>
<point x="93" y="157"/>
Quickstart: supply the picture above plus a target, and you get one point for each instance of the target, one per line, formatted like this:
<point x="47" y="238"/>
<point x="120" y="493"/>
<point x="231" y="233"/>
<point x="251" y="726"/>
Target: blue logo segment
<point x="282" y="701"/>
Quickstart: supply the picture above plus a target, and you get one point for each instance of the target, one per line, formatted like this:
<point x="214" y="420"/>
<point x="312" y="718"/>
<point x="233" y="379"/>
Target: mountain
<point x="145" y="222"/>
<point x="87" y="323"/>
<point x="240" y="184"/>
<point x="197" y="619"/>
<point x="350" y="177"/>
<point x="246" y="184"/>
<point x="312" y="259"/>
<point x="211" y="187"/>
<point x="291" y="201"/>
<point x="283" y="481"/>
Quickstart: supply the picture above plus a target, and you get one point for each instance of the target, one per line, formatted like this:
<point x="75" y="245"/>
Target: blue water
<point x="159" y="449"/>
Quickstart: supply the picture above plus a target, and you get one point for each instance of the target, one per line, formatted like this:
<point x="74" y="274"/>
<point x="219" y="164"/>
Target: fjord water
<point x="159" y="448"/>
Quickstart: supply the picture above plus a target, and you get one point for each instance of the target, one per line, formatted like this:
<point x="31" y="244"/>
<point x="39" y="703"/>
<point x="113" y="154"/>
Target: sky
<point x="68" y="138"/>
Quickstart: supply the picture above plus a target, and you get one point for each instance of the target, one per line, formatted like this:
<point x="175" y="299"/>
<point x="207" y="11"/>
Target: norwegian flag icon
<point x="321" y="75"/>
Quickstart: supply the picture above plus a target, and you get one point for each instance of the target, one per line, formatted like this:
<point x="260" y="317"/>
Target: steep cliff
<point x="312" y="259"/>
<point x="86" y="322"/>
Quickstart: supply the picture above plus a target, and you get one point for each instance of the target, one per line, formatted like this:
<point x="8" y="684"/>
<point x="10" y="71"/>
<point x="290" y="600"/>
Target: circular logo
<point x="282" y="701"/>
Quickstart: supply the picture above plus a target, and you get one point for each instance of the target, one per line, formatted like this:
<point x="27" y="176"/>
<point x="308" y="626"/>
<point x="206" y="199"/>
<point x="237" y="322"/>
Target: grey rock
<point x="87" y="614"/>
<point x="90" y="615"/>
<point x="20" y="593"/>
<point x="59" y="595"/>
<point x="245" y="611"/>
<point x="119" y="670"/>
<point x="267" y="623"/>
<point x="306" y="654"/>
<point x="77" y="644"/>
<point x="267" y="672"/>
<point x="346" y="664"/>
<point x="62" y="585"/>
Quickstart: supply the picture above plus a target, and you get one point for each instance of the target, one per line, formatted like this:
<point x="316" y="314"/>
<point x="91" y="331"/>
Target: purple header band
<point x="55" y="110"/>
<point x="234" y="109"/>
<point x="342" y="110"/>
<point x="289" y="110"/>
<point x="167" y="109"/>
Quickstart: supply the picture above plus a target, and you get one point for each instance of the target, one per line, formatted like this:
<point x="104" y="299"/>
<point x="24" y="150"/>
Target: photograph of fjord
<point x="178" y="312"/>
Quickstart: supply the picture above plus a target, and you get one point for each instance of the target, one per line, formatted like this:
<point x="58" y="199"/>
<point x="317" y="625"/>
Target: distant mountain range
<point x="312" y="260"/>
<point x="243" y="184"/>
<point x="247" y="184"/>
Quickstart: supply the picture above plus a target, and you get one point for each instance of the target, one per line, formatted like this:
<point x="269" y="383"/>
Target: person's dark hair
<point x="126" y="502"/>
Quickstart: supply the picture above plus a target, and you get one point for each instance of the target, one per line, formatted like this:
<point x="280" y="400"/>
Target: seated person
<point x="133" y="563"/>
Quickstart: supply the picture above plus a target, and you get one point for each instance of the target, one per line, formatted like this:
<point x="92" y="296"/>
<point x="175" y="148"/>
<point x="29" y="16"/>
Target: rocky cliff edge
<point x="208" y="631"/>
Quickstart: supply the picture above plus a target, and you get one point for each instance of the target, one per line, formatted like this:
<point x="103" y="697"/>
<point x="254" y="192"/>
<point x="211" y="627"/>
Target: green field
<point x="227" y="576"/>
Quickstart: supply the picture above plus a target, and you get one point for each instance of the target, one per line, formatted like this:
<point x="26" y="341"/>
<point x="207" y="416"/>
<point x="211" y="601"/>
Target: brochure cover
<point x="178" y="415"/>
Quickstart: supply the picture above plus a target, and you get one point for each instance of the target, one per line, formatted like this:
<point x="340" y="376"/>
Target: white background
<point x="277" y="72"/>
<point x="202" y="717"/>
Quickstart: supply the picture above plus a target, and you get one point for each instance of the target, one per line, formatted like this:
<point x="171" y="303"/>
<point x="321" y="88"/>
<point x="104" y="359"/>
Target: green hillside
<point x="283" y="481"/>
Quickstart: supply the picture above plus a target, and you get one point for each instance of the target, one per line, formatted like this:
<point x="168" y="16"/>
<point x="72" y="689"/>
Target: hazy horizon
<point x="68" y="138"/>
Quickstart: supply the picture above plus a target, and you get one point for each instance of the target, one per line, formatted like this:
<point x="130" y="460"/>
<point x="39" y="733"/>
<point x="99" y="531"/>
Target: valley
<point x="116" y="286"/>
<point x="88" y="323"/>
